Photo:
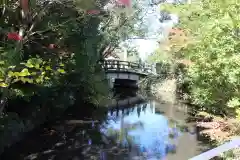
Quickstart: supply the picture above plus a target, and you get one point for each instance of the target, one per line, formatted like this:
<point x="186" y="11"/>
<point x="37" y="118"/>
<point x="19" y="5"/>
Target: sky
<point x="146" y="47"/>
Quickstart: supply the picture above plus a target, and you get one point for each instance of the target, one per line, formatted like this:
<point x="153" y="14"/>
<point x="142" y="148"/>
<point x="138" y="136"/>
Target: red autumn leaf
<point x="51" y="46"/>
<point x="14" y="36"/>
<point x="93" y="11"/>
<point x="124" y="2"/>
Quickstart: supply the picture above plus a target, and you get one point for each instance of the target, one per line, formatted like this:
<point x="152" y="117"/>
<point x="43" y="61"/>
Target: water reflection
<point x="143" y="129"/>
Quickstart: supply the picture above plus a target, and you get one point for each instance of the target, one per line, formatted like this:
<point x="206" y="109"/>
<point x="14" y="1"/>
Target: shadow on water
<point x="149" y="130"/>
<point x="122" y="93"/>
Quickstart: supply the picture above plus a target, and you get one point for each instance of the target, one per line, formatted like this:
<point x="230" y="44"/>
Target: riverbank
<point x="55" y="135"/>
<point x="15" y="128"/>
<point x="43" y="117"/>
<point x="217" y="130"/>
<point x="24" y="116"/>
<point x="165" y="91"/>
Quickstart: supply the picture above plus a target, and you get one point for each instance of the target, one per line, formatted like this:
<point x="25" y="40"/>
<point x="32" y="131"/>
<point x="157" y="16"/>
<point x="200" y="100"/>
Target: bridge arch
<point x="130" y="72"/>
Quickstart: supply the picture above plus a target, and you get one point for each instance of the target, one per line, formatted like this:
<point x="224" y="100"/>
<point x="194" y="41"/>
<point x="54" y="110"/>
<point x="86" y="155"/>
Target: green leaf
<point x="12" y="67"/>
<point x="234" y="102"/>
<point x="24" y="73"/>
<point x="2" y="62"/>
<point x="37" y="66"/>
<point x="61" y="71"/>
<point x="48" y="68"/>
<point x="11" y="74"/>
<point x="29" y="65"/>
<point x="33" y="73"/>
<point x="29" y="80"/>
<point x="2" y="84"/>
<point x="38" y="80"/>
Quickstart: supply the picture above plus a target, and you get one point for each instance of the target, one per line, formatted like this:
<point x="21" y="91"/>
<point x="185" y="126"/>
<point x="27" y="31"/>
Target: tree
<point x="213" y="27"/>
<point x="121" y="26"/>
<point x="214" y="50"/>
<point x="40" y="51"/>
<point x="47" y="50"/>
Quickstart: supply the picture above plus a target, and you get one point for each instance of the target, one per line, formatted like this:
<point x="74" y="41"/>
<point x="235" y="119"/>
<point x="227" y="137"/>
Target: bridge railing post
<point x="115" y="64"/>
<point x="110" y="64"/>
<point x="123" y="65"/>
<point x="105" y="65"/>
<point x="129" y="66"/>
<point x="154" y="68"/>
<point x="118" y="65"/>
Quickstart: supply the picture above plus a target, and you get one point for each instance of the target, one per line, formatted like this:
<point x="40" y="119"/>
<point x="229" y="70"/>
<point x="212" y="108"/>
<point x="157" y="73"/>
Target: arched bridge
<point x="125" y="73"/>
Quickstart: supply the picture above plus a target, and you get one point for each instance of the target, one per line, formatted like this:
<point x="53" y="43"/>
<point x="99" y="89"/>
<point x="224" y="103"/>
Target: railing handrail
<point x="126" y="65"/>
<point x="121" y="61"/>
<point x="234" y="143"/>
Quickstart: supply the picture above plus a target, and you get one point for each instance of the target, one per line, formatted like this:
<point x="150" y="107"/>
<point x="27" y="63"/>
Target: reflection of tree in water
<point x="158" y="148"/>
<point x="62" y="140"/>
<point x="68" y="142"/>
<point x="144" y="107"/>
<point x="128" y="143"/>
<point x="139" y="111"/>
<point x="117" y="113"/>
<point x="84" y="141"/>
<point x="121" y="135"/>
<point x="181" y="126"/>
<point x="126" y="140"/>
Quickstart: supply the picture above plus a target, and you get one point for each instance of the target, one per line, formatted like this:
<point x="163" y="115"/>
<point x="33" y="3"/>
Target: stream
<point x="149" y="130"/>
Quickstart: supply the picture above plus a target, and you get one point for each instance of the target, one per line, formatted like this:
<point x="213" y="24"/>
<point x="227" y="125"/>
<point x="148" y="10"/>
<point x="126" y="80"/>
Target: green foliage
<point x="214" y="50"/>
<point x="49" y="53"/>
<point x="160" y="56"/>
<point x="120" y="26"/>
<point x="34" y="71"/>
<point x="51" y="47"/>
<point x="213" y="78"/>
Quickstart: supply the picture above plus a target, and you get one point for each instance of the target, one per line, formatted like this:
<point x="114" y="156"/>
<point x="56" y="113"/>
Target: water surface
<point x="147" y="131"/>
<point x="154" y="131"/>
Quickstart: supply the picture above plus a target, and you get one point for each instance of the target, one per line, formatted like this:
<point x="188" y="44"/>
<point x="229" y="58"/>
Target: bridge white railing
<point x="234" y="143"/>
<point x="119" y="65"/>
